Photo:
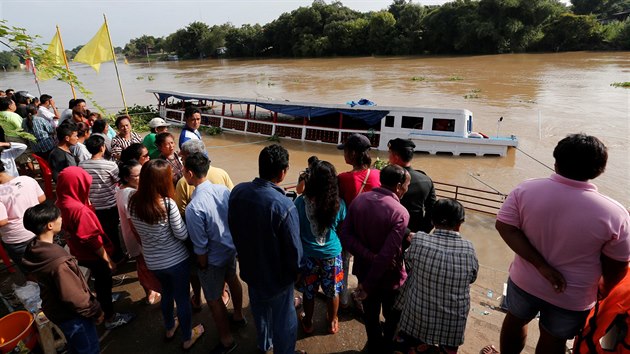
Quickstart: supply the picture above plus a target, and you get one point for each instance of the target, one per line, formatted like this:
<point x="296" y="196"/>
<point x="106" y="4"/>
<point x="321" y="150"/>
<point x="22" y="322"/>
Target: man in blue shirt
<point x="190" y="131"/>
<point x="266" y="232"/>
<point x="206" y="220"/>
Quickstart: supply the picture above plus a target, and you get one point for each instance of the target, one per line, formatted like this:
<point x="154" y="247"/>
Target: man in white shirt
<point x="47" y="109"/>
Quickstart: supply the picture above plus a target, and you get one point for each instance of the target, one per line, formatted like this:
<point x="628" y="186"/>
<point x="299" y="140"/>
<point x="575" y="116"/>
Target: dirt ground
<point x="145" y="333"/>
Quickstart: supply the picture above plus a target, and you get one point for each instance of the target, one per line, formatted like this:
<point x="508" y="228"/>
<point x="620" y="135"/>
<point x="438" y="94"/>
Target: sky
<point x="79" y="20"/>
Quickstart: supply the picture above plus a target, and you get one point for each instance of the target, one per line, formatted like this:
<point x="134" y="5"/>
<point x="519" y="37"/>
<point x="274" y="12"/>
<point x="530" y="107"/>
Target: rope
<point x="535" y="159"/>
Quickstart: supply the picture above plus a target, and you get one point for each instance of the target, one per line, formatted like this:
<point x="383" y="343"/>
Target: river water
<point x="542" y="98"/>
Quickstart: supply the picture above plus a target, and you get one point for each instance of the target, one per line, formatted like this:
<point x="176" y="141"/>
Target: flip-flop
<point x="489" y="349"/>
<point x="197" y="332"/>
<point x="306" y="329"/>
<point x="174" y="329"/>
<point x="333" y="326"/>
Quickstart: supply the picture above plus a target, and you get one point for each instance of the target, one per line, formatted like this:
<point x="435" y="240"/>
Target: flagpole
<point x="122" y="93"/>
<point x="28" y="52"/>
<point x="65" y="59"/>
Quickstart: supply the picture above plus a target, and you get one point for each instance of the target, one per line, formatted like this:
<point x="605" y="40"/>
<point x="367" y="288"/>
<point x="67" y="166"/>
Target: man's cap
<point x="158" y="122"/>
<point x="399" y="144"/>
<point x="356" y="142"/>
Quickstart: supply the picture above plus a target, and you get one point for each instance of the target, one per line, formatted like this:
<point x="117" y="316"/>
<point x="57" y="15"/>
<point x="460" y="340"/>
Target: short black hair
<point x="66" y="129"/>
<point x="391" y="175"/>
<point x="124" y="169"/>
<point x="190" y="111"/>
<point x="580" y="157"/>
<point x="77" y="102"/>
<point x="44" y="98"/>
<point x="198" y="164"/>
<point x="71" y="103"/>
<point x="99" y="126"/>
<point x="5" y="102"/>
<point x="94" y="144"/>
<point x="272" y="160"/>
<point x="37" y="217"/>
<point x="132" y="152"/>
<point x="448" y="212"/>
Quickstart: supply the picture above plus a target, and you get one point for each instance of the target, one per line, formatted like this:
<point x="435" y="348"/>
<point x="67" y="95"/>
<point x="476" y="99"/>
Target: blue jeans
<point x="80" y="335"/>
<point x="276" y="321"/>
<point x="175" y="283"/>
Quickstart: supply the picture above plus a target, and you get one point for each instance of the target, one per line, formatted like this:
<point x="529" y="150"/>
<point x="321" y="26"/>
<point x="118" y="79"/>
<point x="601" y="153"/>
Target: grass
<point x="625" y="84"/>
<point x="455" y="78"/>
<point x="418" y="78"/>
<point x="474" y="93"/>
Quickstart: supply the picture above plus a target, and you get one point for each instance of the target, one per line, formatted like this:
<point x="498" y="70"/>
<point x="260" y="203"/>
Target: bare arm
<point x="519" y="243"/>
<point x="612" y="273"/>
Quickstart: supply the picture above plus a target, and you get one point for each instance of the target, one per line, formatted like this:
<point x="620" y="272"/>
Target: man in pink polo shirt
<point x="572" y="245"/>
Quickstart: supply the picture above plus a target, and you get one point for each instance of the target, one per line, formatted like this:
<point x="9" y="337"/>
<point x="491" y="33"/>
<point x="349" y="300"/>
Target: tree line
<point x="406" y="28"/>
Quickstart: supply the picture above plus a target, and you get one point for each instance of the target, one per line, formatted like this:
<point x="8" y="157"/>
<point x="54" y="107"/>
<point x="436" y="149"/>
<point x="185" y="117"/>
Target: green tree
<point x="9" y="61"/>
<point x="381" y="31"/>
<point x="601" y="8"/>
<point x="244" y="41"/>
<point x="409" y="29"/>
<point x="572" y="32"/>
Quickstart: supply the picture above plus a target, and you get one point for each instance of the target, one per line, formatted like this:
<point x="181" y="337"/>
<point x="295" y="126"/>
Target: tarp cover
<point x="370" y="117"/>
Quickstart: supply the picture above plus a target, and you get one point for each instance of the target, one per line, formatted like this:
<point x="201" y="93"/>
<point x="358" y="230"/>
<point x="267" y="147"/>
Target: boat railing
<point x="281" y="129"/>
<point x="480" y="200"/>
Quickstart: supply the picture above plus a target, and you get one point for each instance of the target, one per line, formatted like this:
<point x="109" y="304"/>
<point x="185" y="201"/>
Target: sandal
<point x="333" y="326"/>
<point x="305" y="328"/>
<point x="195" y="304"/>
<point x="197" y="332"/>
<point x="173" y="330"/>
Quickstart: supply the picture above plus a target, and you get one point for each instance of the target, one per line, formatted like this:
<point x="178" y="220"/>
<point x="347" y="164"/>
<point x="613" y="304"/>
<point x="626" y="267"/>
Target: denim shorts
<point x="212" y="278"/>
<point x="559" y="322"/>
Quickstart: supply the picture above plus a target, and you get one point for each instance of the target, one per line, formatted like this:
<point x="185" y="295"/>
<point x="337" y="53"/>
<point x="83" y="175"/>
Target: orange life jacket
<point x="607" y="325"/>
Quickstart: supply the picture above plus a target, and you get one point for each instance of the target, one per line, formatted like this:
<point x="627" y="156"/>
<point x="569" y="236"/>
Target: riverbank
<point x="146" y="331"/>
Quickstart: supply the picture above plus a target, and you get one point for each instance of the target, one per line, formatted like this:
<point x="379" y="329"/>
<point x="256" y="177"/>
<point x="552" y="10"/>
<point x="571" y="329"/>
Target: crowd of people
<point x="187" y="226"/>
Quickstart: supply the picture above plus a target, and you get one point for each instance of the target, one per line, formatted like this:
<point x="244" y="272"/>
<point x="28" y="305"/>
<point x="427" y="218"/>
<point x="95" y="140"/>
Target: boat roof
<point x="370" y="114"/>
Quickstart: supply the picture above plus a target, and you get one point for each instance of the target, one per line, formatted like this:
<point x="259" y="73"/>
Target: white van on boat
<point x="433" y="130"/>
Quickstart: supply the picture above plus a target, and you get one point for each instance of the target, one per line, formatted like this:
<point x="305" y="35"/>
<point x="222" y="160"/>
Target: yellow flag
<point x="126" y="62"/>
<point x="56" y="57"/>
<point x="97" y="50"/>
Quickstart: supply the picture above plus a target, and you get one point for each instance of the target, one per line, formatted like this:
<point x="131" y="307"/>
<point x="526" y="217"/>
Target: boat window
<point x="410" y="122"/>
<point x="444" y="125"/>
<point x="389" y="121"/>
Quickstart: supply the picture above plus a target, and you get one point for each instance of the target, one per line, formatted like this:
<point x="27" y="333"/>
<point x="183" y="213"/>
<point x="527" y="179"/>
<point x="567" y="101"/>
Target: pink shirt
<point x="16" y="196"/>
<point x="570" y="223"/>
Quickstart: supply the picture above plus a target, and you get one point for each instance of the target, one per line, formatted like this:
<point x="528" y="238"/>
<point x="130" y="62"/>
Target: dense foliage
<point x="9" y="61"/>
<point x="407" y="28"/>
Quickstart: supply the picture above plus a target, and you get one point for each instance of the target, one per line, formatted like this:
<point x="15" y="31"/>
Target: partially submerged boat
<point x="433" y="130"/>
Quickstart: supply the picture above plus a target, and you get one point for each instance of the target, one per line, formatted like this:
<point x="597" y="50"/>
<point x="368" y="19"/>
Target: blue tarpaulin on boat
<point x="371" y="117"/>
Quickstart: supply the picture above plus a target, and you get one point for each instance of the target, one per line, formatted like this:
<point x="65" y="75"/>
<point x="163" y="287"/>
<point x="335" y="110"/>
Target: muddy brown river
<point x="542" y="98"/>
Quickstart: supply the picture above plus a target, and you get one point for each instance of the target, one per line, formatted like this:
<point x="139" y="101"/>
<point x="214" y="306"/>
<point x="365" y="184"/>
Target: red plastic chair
<point x="46" y="176"/>
<point x="6" y="260"/>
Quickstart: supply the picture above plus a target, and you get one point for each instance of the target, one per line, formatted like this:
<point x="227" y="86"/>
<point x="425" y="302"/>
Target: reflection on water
<point x="542" y="97"/>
